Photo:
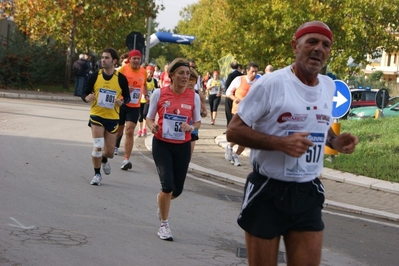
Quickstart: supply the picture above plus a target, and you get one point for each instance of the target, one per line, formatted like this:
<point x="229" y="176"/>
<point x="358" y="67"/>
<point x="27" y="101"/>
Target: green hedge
<point x="27" y="64"/>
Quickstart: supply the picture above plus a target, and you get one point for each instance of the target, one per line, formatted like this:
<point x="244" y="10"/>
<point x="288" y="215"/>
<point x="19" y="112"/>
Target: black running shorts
<point x="109" y="125"/>
<point x="128" y="114"/>
<point x="272" y="208"/>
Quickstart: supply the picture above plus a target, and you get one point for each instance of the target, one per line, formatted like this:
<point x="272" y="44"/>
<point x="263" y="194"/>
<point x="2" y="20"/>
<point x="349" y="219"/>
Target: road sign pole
<point x="147" y="39"/>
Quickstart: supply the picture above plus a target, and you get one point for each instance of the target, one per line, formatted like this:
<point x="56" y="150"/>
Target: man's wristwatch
<point x="330" y="140"/>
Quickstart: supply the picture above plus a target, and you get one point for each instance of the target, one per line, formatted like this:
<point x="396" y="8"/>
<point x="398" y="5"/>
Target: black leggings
<point x="228" y="104"/>
<point x="143" y="111"/>
<point x="214" y="102"/>
<point x="172" y="162"/>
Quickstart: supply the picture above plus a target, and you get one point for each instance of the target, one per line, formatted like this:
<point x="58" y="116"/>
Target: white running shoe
<point x="235" y="160"/>
<point x="158" y="210"/>
<point x="164" y="232"/>
<point x="96" y="180"/>
<point x="107" y="168"/>
<point x="228" y="153"/>
<point x="126" y="165"/>
<point x="116" y="151"/>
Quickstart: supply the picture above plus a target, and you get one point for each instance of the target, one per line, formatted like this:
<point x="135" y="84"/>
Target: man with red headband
<point x="129" y="114"/>
<point x="286" y="120"/>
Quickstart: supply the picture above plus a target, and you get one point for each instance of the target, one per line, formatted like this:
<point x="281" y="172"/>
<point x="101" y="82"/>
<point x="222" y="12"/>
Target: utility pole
<point x="147" y="41"/>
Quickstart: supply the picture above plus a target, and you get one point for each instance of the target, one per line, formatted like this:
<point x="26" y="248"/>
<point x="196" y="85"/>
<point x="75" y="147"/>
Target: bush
<point x="26" y="64"/>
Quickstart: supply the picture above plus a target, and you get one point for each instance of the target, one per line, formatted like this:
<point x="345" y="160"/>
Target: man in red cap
<point x="286" y="120"/>
<point x="129" y="114"/>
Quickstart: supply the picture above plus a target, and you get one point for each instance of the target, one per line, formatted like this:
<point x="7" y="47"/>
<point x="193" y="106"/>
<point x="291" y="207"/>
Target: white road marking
<point x="19" y="225"/>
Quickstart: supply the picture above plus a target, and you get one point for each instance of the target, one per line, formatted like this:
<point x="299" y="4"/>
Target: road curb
<point x="39" y="96"/>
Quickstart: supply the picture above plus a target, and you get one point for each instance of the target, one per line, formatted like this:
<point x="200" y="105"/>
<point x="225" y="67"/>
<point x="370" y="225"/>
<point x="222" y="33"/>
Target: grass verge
<point x="376" y="155"/>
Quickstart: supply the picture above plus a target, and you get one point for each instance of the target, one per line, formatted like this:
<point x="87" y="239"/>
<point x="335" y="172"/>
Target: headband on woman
<point x="314" y="29"/>
<point x="178" y="65"/>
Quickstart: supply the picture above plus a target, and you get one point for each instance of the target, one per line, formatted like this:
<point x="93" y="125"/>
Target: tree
<point x="83" y="25"/>
<point x="261" y="30"/>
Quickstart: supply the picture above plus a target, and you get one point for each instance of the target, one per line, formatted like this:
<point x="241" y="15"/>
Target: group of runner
<point x="116" y="105"/>
<point x="285" y="118"/>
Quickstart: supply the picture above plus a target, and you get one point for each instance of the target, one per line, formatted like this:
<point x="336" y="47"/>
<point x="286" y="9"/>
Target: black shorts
<point x="109" y="124"/>
<point x="272" y="208"/>
<point x="130" y="114"/>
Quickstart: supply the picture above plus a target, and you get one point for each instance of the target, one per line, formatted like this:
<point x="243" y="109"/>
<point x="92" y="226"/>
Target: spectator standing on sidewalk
<point x="81" y="70"/>
<point x="286" y="120"/>
<point x="129" y="114"/>
<point x="238" y="89"/>
<point x="103" y="90"/>
<point x="228" y="103"/>
<point x="171" y="145"/>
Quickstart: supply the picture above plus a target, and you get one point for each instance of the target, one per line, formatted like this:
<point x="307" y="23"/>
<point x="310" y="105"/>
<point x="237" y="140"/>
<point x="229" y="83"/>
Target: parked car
<point x="363" y="97"/>
<point x="360" y="98"/>
<point x="369" y="111"/>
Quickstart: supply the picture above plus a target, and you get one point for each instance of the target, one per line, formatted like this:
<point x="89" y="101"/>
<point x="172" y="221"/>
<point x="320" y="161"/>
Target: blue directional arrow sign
<point x="342" y="99"/>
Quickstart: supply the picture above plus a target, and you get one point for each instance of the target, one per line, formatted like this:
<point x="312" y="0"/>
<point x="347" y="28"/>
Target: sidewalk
<point x="344" y="191"/>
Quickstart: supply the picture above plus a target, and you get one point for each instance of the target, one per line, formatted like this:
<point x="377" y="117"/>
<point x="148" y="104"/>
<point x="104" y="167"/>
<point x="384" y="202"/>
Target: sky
<point x="169" y="17"/>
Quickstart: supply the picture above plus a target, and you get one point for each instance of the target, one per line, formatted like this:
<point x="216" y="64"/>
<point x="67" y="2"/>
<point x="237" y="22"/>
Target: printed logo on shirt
<point x="311" y="108"/>
<point x="323" y="119"/>
<point x="186" y="106"/>
<point x="289" y="117"/>
<point x="174" y="117"/>
<point x="166" y="104"/>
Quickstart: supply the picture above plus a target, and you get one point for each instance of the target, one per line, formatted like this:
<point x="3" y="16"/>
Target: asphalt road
<point x="50" y="215"/>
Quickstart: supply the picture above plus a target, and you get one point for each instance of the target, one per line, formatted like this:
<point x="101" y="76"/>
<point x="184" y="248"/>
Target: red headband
<point x="314" y="29"/>
<point x="150" y="68"/>
<point x="134" y="53"/>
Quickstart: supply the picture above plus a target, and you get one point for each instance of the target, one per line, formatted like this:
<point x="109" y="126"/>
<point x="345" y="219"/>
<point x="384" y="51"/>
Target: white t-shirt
<point x="280" y="104"/>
